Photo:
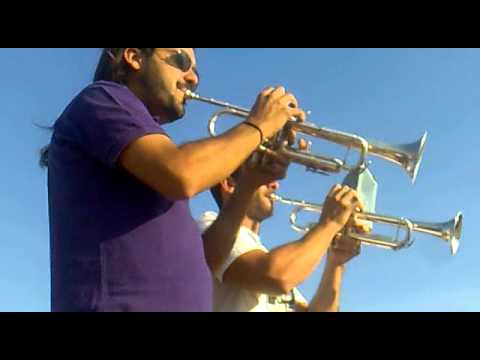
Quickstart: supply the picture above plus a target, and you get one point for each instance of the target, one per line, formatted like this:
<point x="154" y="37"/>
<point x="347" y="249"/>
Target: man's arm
<point x="279" y="271"/>
<point x="327" y="297"/>
<point x="219" y="238"/>
<point x="182" y="172"/>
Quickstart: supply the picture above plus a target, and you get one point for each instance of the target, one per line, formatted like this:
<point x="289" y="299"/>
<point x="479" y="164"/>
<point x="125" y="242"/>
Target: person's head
<point x="261" y="206"/>
<point x="158" y="76"/>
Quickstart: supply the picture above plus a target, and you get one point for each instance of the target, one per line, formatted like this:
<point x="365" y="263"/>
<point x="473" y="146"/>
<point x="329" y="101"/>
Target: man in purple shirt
<point x="121" y="232"/>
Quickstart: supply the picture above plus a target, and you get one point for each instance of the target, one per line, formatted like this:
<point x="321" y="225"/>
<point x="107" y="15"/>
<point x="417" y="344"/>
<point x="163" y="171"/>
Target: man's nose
<point x="191" y="80"/>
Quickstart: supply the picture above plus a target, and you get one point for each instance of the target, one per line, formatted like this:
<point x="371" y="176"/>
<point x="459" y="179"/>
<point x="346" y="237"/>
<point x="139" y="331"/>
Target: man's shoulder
<point x="108" y="89"/>
<point x="95" y="95"/>
<point x="107" y="85"/>
<point x="106" y="99"/>
<point x="245" y="237"/>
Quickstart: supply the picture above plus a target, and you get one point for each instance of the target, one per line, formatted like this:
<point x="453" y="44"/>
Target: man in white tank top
<point x="250" y="278"/>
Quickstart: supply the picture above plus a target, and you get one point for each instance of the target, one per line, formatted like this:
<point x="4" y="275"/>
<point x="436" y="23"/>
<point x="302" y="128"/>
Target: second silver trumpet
<point x="449" y="231"/>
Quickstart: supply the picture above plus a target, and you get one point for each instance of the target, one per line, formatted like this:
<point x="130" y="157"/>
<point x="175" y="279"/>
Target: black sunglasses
<point x="182" y="61"/>
<point x="179" y="60"/>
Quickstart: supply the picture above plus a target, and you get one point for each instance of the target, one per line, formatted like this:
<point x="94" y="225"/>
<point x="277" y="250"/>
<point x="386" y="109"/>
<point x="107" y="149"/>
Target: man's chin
<point x="264" y="215"/>
<point x="175" y="114"/>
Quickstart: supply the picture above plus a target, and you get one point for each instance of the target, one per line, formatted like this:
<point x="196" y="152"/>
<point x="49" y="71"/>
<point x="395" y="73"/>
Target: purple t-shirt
<point x="116" y="244"/>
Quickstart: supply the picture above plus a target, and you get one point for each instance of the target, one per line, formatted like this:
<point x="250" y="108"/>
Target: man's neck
<point x="251" y="224"/>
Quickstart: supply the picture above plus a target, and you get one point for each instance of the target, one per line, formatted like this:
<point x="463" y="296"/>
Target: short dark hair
<point x="216" y="191"/>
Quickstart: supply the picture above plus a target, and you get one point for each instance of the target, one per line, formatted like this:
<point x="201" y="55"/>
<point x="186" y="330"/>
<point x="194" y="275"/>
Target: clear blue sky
<point x="389" y="94"/>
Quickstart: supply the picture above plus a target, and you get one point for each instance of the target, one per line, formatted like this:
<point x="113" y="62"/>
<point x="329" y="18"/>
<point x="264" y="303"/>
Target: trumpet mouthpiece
<point x="189" y="94"/>
<point x="274" y="197"/>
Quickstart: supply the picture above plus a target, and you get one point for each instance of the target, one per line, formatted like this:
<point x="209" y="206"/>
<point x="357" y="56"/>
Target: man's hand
<point x="344" y="248"/>
<point x="273" y="108"/>
<point x="339" y="206"/>
<point x="262" y="169"/>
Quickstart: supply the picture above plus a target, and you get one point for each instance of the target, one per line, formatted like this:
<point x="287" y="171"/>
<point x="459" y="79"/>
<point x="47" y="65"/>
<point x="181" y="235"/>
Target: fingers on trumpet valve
<point x="346" y="243"/>
<point x="347" y="197"/>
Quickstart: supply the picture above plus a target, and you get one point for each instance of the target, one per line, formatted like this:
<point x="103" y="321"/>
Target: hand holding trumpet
<point x="344" y="247"/>
<point x="339" y="206"/>
<point x="272" y="109"/>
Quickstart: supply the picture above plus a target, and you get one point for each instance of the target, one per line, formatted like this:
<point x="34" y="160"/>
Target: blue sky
<point x="394" y="95"/>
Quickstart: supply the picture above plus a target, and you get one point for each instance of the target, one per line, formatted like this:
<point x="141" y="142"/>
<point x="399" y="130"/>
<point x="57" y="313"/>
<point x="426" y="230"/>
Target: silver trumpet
<point x="407" y="156"/>
<point x="449" y="231"/>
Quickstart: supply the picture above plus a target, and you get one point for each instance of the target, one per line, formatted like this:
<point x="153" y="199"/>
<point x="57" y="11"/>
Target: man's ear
<point x="133" y="57"/>
<point x="228" y="185"/>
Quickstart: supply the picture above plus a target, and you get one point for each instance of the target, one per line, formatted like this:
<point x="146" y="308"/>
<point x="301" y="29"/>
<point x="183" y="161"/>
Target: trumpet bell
<point x="455" y="243"/>
<point x="450" y="231"/>
<point x="408" y="156"/>
<point x="457" y="233"/>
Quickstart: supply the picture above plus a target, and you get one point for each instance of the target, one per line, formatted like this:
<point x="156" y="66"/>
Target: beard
<point x="170" y="109"/>
<point x="174" y="113"/>
<point x="261" y="211"/>
<point x="163" y="103"/>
